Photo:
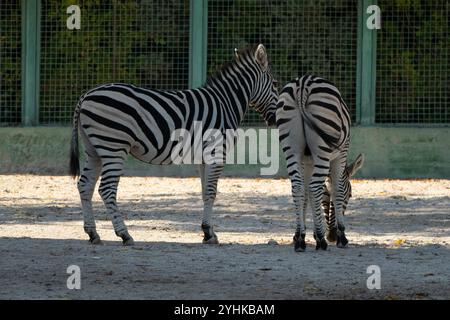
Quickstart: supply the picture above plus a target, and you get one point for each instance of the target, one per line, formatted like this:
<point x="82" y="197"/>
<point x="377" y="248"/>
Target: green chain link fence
<point x="413" y="73"/>
<point x="10" y="62"/>
<point x="147" y="42"/>
<point x="302" y="36"/>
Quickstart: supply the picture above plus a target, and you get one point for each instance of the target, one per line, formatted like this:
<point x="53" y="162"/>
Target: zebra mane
<point x="249" y="50"/>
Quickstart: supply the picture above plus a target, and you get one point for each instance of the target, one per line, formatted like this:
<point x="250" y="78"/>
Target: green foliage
<point x="10" y="64"/>
<point x="146" y="42"/>
<point x="139" y="42"/>
<point x="413" y="73"/>
<point x="308" y="36"/>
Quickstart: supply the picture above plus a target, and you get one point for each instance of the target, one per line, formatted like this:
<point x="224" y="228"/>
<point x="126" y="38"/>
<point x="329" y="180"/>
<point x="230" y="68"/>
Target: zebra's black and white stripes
<point x="116" y="120"/>
<point x="314" y="124"/>
<point x="327" y="204"/>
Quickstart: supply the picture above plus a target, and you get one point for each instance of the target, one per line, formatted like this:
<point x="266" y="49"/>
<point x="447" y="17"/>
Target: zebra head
<point x="264" y="96"/>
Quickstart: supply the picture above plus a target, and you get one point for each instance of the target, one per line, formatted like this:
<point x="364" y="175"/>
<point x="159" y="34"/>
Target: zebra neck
<point x="234" y="94"/>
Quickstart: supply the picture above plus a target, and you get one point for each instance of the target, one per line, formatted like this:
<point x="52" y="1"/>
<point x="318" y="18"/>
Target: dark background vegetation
<point x="147" y="43"/>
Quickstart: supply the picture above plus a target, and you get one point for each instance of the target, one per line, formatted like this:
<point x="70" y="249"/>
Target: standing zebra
<point x="115" y="120"/>
<point x="314" y="125"/>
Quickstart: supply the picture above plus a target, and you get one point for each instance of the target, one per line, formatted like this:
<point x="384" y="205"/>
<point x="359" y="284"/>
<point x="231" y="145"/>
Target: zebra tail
<point x="331" y="141"/>
<point x="74" y="166"/>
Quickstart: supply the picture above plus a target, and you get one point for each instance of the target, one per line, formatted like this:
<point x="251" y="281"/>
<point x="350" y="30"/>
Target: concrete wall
<point x="391" y="152"/>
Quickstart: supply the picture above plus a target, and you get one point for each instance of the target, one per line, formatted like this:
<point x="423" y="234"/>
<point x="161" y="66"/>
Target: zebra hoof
<point x="342" y="241"/>
<point x="95" y="241"/>
<point x="321" y="244"/>
<point x="331" y="235"/>
<point x="299" y="243"/>
<point x="94" y="238"/>
<point x="210" y="239"/>
<point x="127" y="240"/>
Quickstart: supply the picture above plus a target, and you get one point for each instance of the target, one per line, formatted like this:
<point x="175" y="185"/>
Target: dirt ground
<point x="401" y="226"/>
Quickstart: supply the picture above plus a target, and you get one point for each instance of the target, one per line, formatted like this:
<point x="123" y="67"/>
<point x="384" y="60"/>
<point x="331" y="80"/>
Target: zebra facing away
<point x="115" y="120"/>
<point x="314" y="125"/>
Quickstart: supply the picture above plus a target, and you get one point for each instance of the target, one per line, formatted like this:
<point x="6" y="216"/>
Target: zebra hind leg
<point x="112" y="170"/>
<point x="300" y="201"/>
<point x="299" y="174"/>
<point x="86" y="186"/>
<point x="300" y="234"/>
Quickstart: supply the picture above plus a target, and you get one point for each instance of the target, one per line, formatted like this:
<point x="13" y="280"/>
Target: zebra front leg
<point x="330" y="218"/>
<point x="111" y="173"/>
<point x="337" y="198"/>
<point x="329" y="212"/>
<point x="209" y="175"/>
<point x="86" y="186"/>
<point x="341" y="239"/>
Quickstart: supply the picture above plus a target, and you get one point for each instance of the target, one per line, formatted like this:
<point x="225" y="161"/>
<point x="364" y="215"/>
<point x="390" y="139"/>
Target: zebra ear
<point x="261" y="57"/>
<point x="356" y="165"/>
<point x="236" y="52"/>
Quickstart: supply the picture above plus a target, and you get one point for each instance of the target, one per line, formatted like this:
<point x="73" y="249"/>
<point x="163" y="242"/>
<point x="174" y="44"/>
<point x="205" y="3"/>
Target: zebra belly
<point x="108" y="129"/>
<point x="153" y="156"/>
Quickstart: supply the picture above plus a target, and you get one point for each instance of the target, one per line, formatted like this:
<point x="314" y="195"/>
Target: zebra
<point x="328" y="206"/>
<point x="115" y="120"/>
<point x="314" y="126"/>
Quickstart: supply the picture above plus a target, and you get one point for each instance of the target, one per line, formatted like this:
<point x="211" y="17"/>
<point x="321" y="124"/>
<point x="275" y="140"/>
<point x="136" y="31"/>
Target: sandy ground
<point x="401" y="226"/>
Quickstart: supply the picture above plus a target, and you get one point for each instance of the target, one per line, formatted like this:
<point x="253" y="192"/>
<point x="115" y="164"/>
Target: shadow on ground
<point x="37" y="269"/>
